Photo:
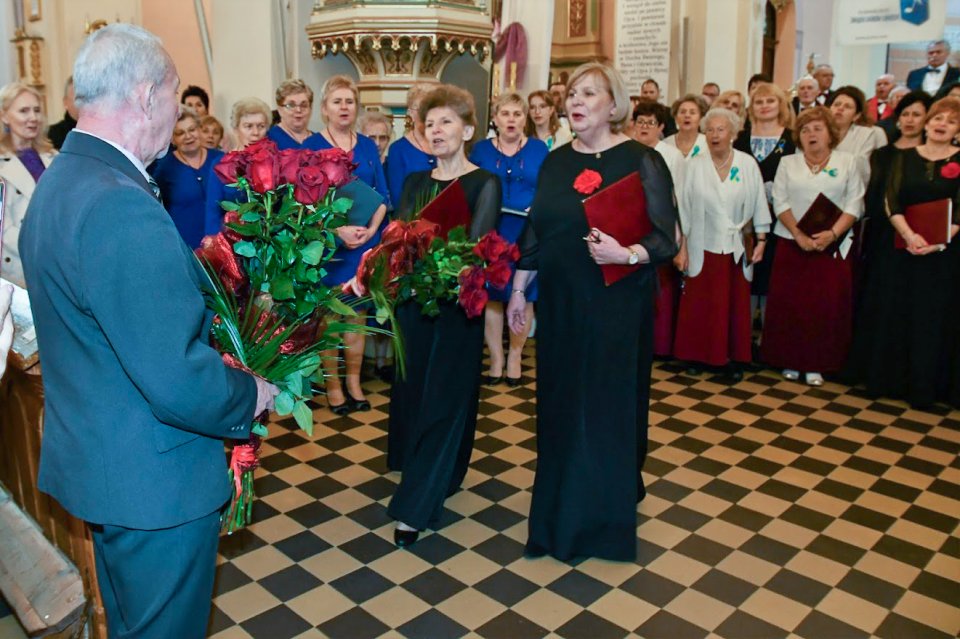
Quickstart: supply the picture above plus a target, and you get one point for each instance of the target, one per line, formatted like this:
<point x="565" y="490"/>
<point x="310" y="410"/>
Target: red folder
<point x="449" y="209"/>
<point x="930" y="219"/>
<point x="821" y="216"/>
<point x="620" y="210"/>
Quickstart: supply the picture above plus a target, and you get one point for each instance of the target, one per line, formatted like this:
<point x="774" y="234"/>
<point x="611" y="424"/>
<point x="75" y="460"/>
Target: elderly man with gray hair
<point x="807" y="91"/>
<point x="877" y="107"/>
<point x="136" y="401"/>
<point x="938" y="71"/>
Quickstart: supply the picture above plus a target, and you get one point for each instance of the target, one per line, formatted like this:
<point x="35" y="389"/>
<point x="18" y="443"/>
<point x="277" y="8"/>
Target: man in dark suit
<point x="58" y="131"/>
<point x="937" y="72"/>
<point x="807" y="91"/>
<point x="877" y="107"/>
<point x="137" y="402"/>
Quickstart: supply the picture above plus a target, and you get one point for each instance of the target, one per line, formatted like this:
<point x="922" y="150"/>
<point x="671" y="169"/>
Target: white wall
<point x="536" y="16"/>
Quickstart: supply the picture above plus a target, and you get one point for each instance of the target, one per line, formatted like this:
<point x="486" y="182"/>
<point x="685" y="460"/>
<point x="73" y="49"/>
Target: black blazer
<point x="137" y="402"/>
<point x="915" y="77"/>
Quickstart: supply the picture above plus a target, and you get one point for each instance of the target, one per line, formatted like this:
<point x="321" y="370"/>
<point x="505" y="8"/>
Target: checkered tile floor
<point x="774" y="510"/>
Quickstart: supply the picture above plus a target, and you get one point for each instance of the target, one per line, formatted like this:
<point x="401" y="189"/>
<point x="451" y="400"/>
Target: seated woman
<point x="594" y="342"/>
<point x="722" y="204"/>
<point x="543" y="123"/>
<point x="810" y="305"/>
<point x="433" y="410"/>
<point x="688" y="111"/>
<point x="516" y="160"/>
<point x="183" y="176"/>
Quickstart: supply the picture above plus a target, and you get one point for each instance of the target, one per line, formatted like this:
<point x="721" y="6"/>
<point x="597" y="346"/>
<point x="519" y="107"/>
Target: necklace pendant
<point x="597" y="155"/>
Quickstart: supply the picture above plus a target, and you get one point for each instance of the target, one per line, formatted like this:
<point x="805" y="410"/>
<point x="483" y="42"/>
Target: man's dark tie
<point x="156" y="189"/>
<point x="932" y="69"/>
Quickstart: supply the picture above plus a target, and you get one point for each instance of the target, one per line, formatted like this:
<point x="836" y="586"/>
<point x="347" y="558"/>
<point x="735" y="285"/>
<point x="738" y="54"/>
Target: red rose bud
<point x="587" y="182"/>
<point x="261" y="145"/>
<point x="289" y="165"/>
<point x="337" y="166"/>
<point x="217" y="252"/>
<point x="264" y="172"/>
<point x="498" y="274"/>
<point x="310" y="185"/>
<point x="231" y="167"/>
<point x="473" y="296"/>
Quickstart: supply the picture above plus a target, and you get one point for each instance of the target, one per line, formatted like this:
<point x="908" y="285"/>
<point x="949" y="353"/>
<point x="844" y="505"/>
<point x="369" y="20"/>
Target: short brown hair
<point x="767" y="89"/>
<point x="208" y="120"/>
<point x="509" y="97"/>
<point x="816" y="114"/>
<point x="948" y="104"/>
<point x="530" y="129"/>
<point x="615" y="87"/>
<point x="690" y="97"/>
<point x="452" y="97"/>
<point x="292" y="87"/>
<point x="648" y="108"/>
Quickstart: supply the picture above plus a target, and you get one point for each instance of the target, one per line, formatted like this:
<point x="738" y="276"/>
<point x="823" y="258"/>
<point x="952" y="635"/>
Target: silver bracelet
<point x="518" y="290"/>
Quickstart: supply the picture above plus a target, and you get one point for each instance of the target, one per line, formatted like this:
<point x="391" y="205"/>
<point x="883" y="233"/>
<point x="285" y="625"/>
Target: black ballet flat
<point x="357" y="404"/>
<point x="493" y="381"/>
<point x="404" y="538"/>
<point x="513" y="382"/>
<point x="339" y="409"/>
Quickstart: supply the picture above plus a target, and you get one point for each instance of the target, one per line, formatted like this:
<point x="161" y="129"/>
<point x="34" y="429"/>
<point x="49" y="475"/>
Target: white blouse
<point x="674" y="159"/>
<point x="699" y="146"/>
<point x="862" y="141"/>
<point x="795" y="188"/>
<point x="714" y="212"/>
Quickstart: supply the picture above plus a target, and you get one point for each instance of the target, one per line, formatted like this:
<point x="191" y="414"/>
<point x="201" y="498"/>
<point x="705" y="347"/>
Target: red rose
<point x="498" y="274"/>
<point x="473" y="296"/>
<point x="289" y="165"/>
<point x="587" y="182"/>
<point x="950" y="170"/>
<point x="311" y="184"/>
<point x="231" y="217"/>
<point x="337" y="166"/>
<point x="216" y="252"/>
<point x="231" y="167"/>
<point x="263" y="165"/>
<point x="491" y="247"/>
<point x="263" y="144"/>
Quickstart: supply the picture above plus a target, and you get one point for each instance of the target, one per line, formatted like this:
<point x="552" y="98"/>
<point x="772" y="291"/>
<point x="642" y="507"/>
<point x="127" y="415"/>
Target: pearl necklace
<point x="816" y="168"/>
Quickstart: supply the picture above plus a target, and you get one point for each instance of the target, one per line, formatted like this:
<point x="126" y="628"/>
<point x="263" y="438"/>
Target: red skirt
<point x="665" y="309"/>
<point x="713" y="323"/>
<point x="809" y="323"/>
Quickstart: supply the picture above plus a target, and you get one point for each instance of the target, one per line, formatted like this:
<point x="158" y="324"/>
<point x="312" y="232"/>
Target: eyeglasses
<point x="646" y="124"/>
<point x="297" y="106"/>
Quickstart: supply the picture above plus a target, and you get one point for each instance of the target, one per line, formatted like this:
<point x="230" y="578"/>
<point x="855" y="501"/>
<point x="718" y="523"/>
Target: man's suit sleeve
<point x="915" y="79"/>
<point x="139" y="284"/>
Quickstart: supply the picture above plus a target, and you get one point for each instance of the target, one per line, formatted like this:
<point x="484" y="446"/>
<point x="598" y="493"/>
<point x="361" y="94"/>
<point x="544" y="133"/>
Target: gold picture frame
<point x="31" y="8"/>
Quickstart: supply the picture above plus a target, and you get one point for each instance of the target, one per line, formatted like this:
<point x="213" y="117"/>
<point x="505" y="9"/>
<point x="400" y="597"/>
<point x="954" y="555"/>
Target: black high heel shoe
<point x="339" y="410"/>
<point x="513" y="382"/>
<point x="490" y="380"/>
<point x="404" y="538"/>
<point x="357" y="404"/>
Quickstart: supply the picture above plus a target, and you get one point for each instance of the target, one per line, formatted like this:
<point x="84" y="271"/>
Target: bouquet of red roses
<point x="414" y="262"/>
<point x="265" y="271"/>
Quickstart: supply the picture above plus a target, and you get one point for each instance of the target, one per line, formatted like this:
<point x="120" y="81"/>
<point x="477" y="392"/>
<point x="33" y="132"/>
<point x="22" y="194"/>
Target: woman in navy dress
<point x="411" y="153"/>
<point x="339" y="103"/>
<point x="516" y="159"/>
<point x="183" y="176"/>
<point x="250" y="118"/>
<point x="295" y="105"/>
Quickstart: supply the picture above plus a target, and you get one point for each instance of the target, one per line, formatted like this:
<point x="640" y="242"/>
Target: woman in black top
<point x="594" y="342"/>
<point x="433" y="410"/>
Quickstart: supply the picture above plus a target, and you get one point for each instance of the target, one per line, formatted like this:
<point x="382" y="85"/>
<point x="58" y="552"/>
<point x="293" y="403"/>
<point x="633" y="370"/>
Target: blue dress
<point x="284" y="141"/>
<point x="184" y="192"/>
<point x="518" y="177"/>
<point x="345" y="261"/>
<point x="403" y="158"/>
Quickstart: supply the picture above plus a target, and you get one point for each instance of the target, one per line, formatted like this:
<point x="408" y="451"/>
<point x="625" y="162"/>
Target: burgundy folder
<point x="930" y="219"/>
<point x="620" y="210"/>
<point x="448" y="210"/>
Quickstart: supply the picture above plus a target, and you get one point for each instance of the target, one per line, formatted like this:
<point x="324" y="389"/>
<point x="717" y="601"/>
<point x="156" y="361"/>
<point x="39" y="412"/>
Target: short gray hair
<point x="945" y="44"/>
<point x="720" y="112"/>
<point x="115" y="59"/>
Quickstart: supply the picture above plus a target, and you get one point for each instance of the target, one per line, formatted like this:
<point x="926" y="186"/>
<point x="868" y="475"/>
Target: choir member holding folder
<point x="723" y="208"/>
<point x="913" y="350"/>
<point x="595" y="264"/>
<point x="817" y="197"/>
<point x="433" y="410"/>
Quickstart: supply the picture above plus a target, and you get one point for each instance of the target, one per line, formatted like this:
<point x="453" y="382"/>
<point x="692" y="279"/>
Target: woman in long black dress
<point x="912" y="350"/>
<point x="433" y="410"/>
<point x="594" y="342"/>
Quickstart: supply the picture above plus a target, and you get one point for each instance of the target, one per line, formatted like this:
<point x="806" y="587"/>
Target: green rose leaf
<point x="244" y="248"/>
<point x="284" y="403"/>
<point x="282" y="288"/>
<point x="229" y="205"/>
<point x="304" y="417"/>
<point x="339" y="307"/>
<point x="341" y="205"/>
<point x="312" y="252"/>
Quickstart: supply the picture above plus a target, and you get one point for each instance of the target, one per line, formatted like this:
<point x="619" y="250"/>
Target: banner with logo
<point x="889" y="21"/>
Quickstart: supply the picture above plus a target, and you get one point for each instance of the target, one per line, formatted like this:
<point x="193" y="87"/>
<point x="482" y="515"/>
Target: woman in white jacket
<point x="25" y="152"/>
<point x="723" y="210"/>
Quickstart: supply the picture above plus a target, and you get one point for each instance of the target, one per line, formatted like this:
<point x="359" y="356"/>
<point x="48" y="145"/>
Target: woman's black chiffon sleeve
<point x="660" y="243"/>
<point x="486" y="208"/>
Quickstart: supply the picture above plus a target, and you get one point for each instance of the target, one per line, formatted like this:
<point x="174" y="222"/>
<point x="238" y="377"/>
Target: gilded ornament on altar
<point x="578" y="18"/>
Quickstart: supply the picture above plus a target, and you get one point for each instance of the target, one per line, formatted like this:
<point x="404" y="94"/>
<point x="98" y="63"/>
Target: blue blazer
<point x="915" y="77"/>
<point x="136" y="402"/>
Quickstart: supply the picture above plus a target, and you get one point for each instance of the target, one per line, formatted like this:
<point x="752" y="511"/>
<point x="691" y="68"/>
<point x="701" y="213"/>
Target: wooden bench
<point x="40" y="584"/>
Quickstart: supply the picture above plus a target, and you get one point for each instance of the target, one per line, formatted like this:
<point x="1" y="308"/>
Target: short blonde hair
<point x="510" y="97"/>
<point x="8" y="94"/>
<point x="335" y="83"/>
<point x="293" y="87"/>
<point x="786" y="116"/>
<point x="729" y="93"/>
<point x="416" y="93"/>
<point x="209" y="120"/>
<point x="726" y="114"/>
<point x="614" y="85"/>
<point x="249" y="106"/>
<point x="374" y="117"/>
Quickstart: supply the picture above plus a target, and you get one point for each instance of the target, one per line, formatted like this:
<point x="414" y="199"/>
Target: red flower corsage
<point x="950" y="170"/>
<point x="587" y="182"/>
